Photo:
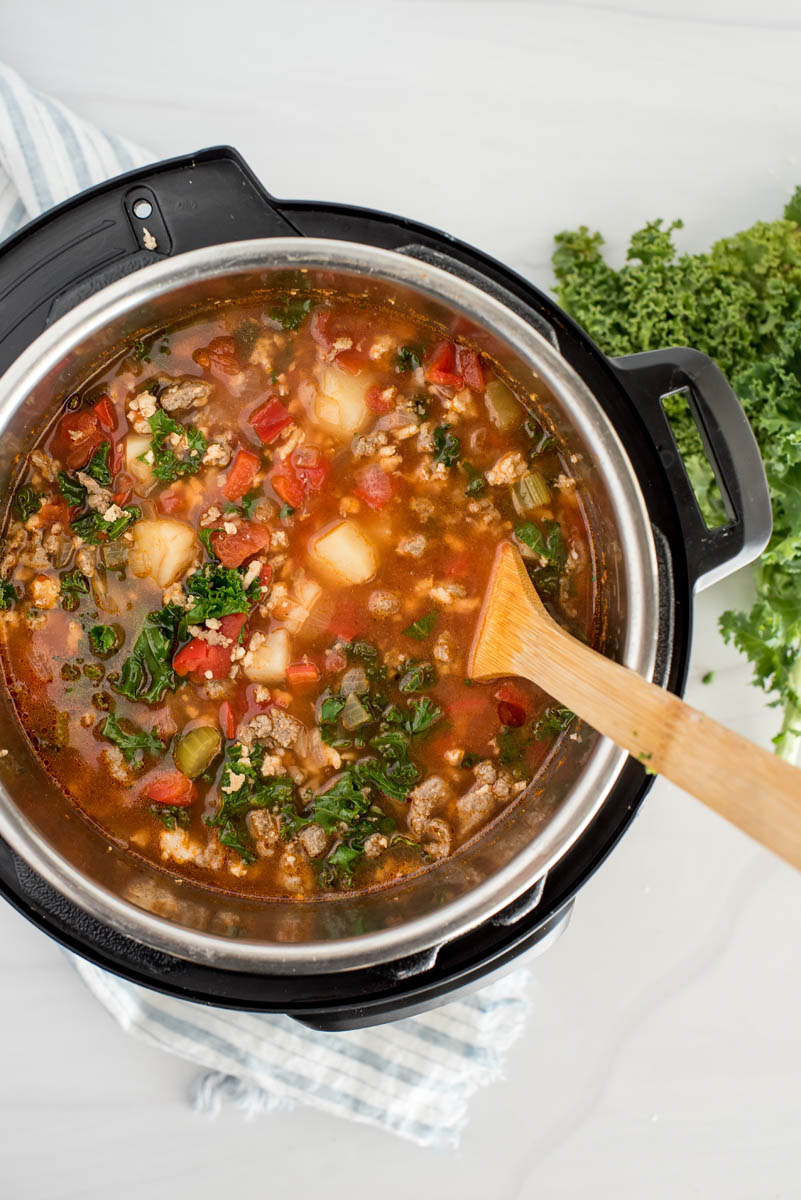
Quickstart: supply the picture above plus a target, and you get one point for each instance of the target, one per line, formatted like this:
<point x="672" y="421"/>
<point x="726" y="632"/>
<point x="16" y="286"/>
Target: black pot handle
<point x="93" y="239"/>
<point x="730" y="446"/>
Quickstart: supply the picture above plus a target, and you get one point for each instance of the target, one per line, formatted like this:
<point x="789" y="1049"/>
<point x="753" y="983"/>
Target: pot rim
<point x="639" y="568"/>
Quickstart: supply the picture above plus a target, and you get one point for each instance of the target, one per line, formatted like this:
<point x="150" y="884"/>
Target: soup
<point x="240" y="579"/>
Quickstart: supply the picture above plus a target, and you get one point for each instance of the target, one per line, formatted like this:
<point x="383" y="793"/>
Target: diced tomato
<point x="286" y="483"/>
<point x="117" y="457"/>
<point x="441" y="366"/>
<point x="511" y="714"/>
<point x="233" y="548"/>
<point x="269" y="419"/>
<point x="53" y="511"/>
<point x="459" y="565"/>
<point x="302" y="674"/>
<point x="265" y="575"/>
<point x="173" y="788"/>
<point x="512" y="693"/>
<point x="232" y="625"/>
<point x="77" y="436"/>
<point x="351" y="361"/>
<point x="374" y="487"/>
<point x="228" y="721"/>
<point x="377" y="402"/>
<point x="241" y="474"/>
<point x="468" y="365"/>
<point x="203" y="660"/>
<point x="311" y="467"/>
<point x="219" y="356"/>
<point x="106" y="414"/>
<point x="122" y="496"/>
<point x="305" y="471"/>
<point x="174" y="499"/>
<point x="347" y="620"/>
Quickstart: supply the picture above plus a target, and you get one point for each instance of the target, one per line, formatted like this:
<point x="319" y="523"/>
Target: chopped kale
<point x="72" y="491"/>
<point x="217" y="591"/>
<point x="546" y="541"/>
<point x="409" y="358"/>
<point x="8" y="594"/>
<point x="291" y="312"/>
<point x="171" y="815"/>
<point x="276" y="792"/>
<point x="476" y="481"/>
<point x="73" y="585"/>
<point x="447" y="449"/>
<point x="98" y="466"/>
<point x="96" y="530"/>
<point x="168" y="465"/>
<point x="103" y="640"/>
<point x="247" y="504"/>
<point x="147" y="673"/>
<point x="422" y="627"/>
<point x="133" y="743"/>
<point x="417" y="677"/>
<point x="330" y="709"/>
<point x="554" y="720"/>
<point x="26" y="502"/>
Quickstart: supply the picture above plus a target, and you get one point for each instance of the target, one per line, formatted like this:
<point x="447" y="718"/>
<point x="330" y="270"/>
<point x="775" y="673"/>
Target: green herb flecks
<point x="553" y="721"/>
<point x="133" y="743"/>
<point x="447" y="449"/>
<point x="408" y="358"/>
<point x="476" y="481"/>
<point x="104" y="640"/>
<point x="8" y="594"/>
<point x="169" y="464"/>
<point x="217" y="591"/>
<point x="285" y="512"/>
<point x="95" y="529"/>
<point x="171" y="815"/>
<point x="417" y="677"/>
<point x="291" y="312"/>
<point x="26" y="502"/>
<point x="422" y="627"/>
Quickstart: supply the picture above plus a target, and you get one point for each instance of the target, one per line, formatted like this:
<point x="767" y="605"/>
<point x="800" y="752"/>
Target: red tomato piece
<point x="511" y="714"/>
<point x="301" y="674"/>
<point x="286" y="483"/>
<point x="227" y="719"/>
<point x="219" y="356"/>
<point x="351" y="361"/>
<point x="53" y="511"/>
<point x="201" y="659"/>
<point x="106" y="414"/>
<point x="77" y="436"/>
<point x="377" y="402"/>
<point x="310" y="467"/>
<point x="512" y="693"/>
<point x="173" y="500"/>
<point x="347" y="620"/>
<point x="233" y="548"/>
<point x="173" y="788"/>
<point x="269" y="419"/>
<point x="441" y="366"/>
<point x="117" y="457"/>
<point x="232" y="625"/>
<point x="241" y="474"/>
<point x="468" y="365"/>
<point x="374" y="487"/>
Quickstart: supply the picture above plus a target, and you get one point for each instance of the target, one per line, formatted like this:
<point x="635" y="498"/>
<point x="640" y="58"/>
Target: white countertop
<point x="663" y="1057"/>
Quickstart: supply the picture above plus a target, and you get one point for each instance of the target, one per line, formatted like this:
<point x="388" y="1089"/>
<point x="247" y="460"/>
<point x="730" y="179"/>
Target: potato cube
<point x="163" y="549"/>
<point x="341" y="405"/>
<point x="345" y="553"/>
<point x="267" y="657"/>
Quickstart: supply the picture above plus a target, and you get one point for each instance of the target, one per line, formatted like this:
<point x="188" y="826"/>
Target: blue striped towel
<point x="413" y="1077"/>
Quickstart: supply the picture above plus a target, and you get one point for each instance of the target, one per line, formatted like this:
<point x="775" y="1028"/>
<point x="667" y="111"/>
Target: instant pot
<point x="175" y="238"/>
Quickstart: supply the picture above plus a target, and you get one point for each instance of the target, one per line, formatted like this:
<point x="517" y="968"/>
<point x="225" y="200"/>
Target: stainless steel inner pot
<point x="288" y="937"/>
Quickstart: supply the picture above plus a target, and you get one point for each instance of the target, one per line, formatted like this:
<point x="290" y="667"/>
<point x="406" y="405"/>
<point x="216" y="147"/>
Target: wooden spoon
<point x="755" y="790"/>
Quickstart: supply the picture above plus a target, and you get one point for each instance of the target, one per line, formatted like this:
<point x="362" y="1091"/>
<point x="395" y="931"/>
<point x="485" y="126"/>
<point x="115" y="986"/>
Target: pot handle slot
<point x="729" y="445"/>
<point x="111" y="230"/>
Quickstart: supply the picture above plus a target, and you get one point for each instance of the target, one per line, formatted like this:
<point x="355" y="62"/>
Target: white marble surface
<point x="663" y="1058"/>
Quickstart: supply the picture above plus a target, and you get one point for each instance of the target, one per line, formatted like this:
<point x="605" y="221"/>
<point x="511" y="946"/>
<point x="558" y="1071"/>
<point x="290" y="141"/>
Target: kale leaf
<point x="422" y="627"/>
<point x="72" y="491"/>
<point x="447" y="449"/>
<point x="98" y="466"/>
<point x="8" y="594"/>
<point x="169" y="465"/>
<point x="133" y="743"/>
<point x="26" y="502"/>
<point x="95" y="529"/>
<point x="217" y="591"/>
<point x="147" y="673"/>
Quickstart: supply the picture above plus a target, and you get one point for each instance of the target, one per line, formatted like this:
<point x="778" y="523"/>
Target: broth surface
<point x="240" y="579"/>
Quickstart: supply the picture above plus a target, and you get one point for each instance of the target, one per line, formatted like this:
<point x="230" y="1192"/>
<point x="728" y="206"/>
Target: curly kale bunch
<point x="741" y="304"/>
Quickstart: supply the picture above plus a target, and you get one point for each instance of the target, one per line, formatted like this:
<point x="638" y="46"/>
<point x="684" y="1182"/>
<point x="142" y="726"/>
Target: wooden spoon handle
<point x="755" y="790"/>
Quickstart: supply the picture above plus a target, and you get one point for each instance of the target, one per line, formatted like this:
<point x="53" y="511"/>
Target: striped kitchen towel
<point x="414" y="1077"/>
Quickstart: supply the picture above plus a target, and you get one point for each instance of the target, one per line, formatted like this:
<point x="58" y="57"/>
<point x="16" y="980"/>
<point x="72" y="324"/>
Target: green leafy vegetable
<point x="546" y="541"/>
<point x="422" y="627"/>
<point x="98" y="466"/>
<point x="740" y="303"/>
<point x="103" y="640"/>
<point x="147" y="673"/>
<point x="241" y="774"/>
<point x="554" y="720"/>
<point x="73" y="586"/>
<point x="27" y="501"/>
<point x="408" y="358"/>
<point x="285" y="512"/>
<point x="330" y="709"/>
<point x="246" y="505"/>
<point x="96" y="530"/>
<point x="217" y="591"/>
<point x="169" y="464"/>
<point x="291" y="312"/>
<point x="8" y="594"/>
<point x="476" y="481"/>
<point x="171" y="815"/>
<point x="446" y="445"/>
<point x="138" y="349"/>
<point x="417" y="677"/>
<point x="72" y="491"/>
<point x="133" y="743"/>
